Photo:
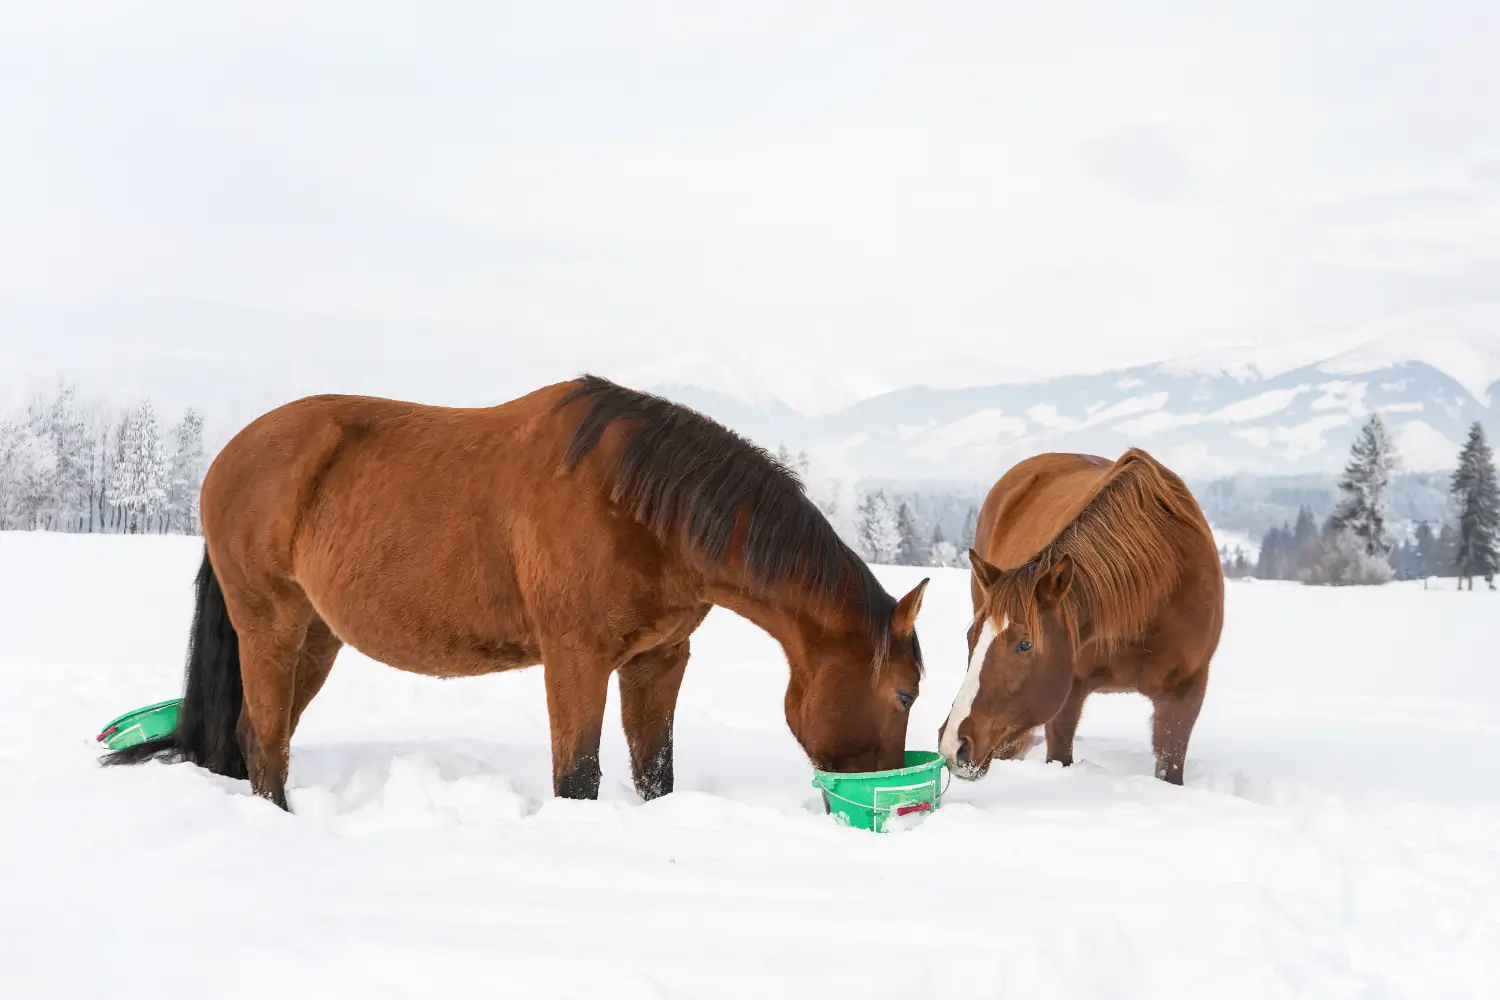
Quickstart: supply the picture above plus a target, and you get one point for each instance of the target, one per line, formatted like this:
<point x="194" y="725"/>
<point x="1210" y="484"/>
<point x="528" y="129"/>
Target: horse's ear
<point x="984" y="572"/>
<point x="904" y="617"/>
<point x="1053" y="585"/>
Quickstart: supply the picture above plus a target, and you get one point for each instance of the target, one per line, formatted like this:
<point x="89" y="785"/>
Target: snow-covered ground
<point x="1339" y="835"/>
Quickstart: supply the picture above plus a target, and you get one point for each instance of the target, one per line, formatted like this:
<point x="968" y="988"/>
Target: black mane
<point x="687" y="479"/>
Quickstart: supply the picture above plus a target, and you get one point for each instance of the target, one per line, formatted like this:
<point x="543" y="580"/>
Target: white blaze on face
<point x="967" y="691"/>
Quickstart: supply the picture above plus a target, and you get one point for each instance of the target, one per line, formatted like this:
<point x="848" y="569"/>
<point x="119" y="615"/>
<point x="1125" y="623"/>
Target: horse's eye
<point x="905" y="698"/>
<point x="1024" y="646"/>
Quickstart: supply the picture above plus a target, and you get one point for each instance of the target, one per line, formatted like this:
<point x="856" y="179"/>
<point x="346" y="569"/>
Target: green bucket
<point x="149" y="723"/>
<point x="867" y="800"/>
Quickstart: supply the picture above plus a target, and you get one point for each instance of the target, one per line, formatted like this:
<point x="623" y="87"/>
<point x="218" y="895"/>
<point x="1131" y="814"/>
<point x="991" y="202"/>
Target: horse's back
<point x="1032" y="502"/>
<point x="395" y="520"/>
<point x="1039" y="496"/>
<point x="284" y="462"/>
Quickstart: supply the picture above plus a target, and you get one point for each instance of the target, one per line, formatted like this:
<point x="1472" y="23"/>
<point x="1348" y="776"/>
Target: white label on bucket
<point x="888" y="801"/>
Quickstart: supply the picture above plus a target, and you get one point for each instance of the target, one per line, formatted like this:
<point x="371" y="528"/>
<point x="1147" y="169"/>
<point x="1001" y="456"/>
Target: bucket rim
<point x="140" y="713"/>
<point x="933" y="762"/>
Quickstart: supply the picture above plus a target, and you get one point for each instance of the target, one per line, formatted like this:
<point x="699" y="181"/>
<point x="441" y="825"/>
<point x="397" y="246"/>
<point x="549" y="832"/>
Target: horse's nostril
<point x="962" y="755"/>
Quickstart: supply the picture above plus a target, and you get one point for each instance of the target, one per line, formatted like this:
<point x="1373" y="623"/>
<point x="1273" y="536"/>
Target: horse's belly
<point x="423" y="625"/>
<point x="470" y="660"/>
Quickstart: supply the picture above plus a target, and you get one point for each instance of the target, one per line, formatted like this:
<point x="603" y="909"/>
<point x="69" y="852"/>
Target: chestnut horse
<point x="1111" y="582"/>
<point x="584" y="526"/>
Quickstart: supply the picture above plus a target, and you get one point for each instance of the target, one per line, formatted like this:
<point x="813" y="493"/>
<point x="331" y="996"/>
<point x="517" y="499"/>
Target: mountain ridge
<point x="1202" y="423"/>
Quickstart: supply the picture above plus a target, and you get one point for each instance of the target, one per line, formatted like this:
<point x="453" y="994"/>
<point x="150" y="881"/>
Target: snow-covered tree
<point x="28" y="470"/>
<point x="67" y="465"/>
<point x="910" y="551"/>
<point x="945" y="553"/>
<point x="799" y="463"/>
<point x="940" y="551"/>
<point x="104" y="433"/>
<point x="67" y="430"/>
<point x="1340" y="559"/>
<point x="1476" y="496"/>
<point x="185" y="477"/>
<point x="1365" y="484"/>
<point x="138" y="485"/>
<point x="879" y="531"/>
<point x="971" y="528"/>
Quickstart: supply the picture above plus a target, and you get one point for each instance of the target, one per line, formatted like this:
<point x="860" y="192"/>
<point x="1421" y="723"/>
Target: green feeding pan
<point x="149" y="723"/>
<point x="868" y="800"/>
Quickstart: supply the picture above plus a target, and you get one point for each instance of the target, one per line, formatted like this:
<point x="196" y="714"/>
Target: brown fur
<point x="1121" y="547"/>
<point x="584" y="526"/>
<point x="1113" y="579"/>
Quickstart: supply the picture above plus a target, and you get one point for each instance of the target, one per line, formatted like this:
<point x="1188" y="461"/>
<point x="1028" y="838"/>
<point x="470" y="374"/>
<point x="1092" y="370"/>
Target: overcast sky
<point x="820" y="200"/>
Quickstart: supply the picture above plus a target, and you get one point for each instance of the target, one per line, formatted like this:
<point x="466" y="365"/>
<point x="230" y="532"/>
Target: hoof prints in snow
<point x="368" y="792"/>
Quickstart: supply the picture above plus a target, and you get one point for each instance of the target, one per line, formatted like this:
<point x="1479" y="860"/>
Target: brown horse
<point x="1113" y="584"/>
<point x="585" y="526"/>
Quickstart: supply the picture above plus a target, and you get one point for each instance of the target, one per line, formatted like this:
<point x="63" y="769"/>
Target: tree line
<point x="1354" y="545"/>
<point x="76" y="466"/>
<point x="886" y="526"/>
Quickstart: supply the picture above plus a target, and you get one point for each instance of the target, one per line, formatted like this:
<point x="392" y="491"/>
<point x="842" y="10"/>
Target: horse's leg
<point x="1064" y="726"/>
<point x="268" y="669"/>
<point x="649" y="683"/>
<point x="1172" y="726"/>
<point x="319" y="648"/>
<point x="577" y="683"/>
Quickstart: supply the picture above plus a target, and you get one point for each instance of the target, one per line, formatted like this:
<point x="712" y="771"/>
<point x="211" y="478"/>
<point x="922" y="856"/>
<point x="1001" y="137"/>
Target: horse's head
<point x="846" y="707"/>
<point x="1020" y="665"/>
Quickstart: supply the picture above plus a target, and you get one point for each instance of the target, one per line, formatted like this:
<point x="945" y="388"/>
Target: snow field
<point x="1339" y="835"/>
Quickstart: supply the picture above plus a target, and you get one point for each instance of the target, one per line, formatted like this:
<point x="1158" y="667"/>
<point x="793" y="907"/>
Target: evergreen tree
<point x="1424" y="551"/>
<point x="67" y="466"/>
<point x="27" y="474"/>
<point x="185" y="478"/>
<point x="1447" y="547"/>
<point x="1403" y="560"/>
<point x="71" y="445"/>
<point x="803" y="464"/>
<point x="798" y="465"/>
<point x="1476" y="496"/>
<point x="1273" y="561"/>
<point x="1302" y="541"/>
<point x="971" y="528"/>
<point x="940" y="551"/>
<point x="102" y="431"/>
<point x="1364" y="486"/>
<point x="911" y="551"/>
<point x="138" y="486"/>
<point x="879" y="532"/>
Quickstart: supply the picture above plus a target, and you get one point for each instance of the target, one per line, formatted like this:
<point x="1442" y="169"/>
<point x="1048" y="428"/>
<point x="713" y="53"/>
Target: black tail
<point x="208" y="725"/>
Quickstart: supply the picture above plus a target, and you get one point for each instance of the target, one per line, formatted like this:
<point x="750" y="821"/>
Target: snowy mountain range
<point x="1205" y="417"/>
